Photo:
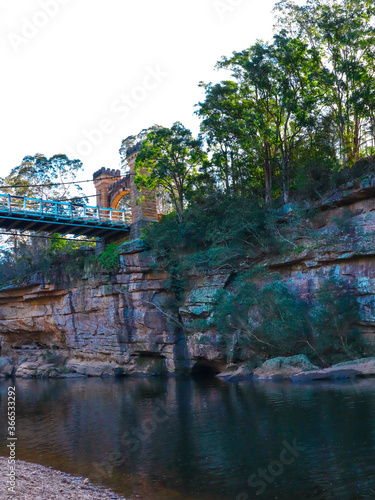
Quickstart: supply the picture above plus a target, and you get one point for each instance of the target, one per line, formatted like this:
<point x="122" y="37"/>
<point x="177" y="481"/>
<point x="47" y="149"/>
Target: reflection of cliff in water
<point x="200" y="438"/>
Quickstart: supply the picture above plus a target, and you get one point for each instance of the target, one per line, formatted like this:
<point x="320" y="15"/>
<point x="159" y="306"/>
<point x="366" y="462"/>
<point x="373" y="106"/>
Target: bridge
<point x="106" y="221"/>
<point x="31" y="214"/>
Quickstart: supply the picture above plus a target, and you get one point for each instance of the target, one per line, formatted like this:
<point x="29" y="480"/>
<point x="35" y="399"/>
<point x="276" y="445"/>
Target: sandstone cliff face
<point x="343" y="245"/>
<point x="102" y="326"/>
<point x="124" y="324"/>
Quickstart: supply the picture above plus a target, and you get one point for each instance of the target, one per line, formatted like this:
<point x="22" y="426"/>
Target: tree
<point x="231" y="135"/>
<point x="41" y="177"/>
<point x="170" y="159"/>
<point x="279" y="81"/>
<point x="343" y="32"/>
<point x="46" y="178"/>
<point x="134" y="140"/>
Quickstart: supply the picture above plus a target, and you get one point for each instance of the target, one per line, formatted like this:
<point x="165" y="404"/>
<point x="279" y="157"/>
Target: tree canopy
<point x="170" y="159"/>
<point x="41" y="177"/>
<point x="304" y="99"/>
<point x="294" y="117"/>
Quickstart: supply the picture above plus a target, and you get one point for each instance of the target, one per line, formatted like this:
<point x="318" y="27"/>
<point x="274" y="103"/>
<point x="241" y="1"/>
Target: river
<point x="184" y="439"/>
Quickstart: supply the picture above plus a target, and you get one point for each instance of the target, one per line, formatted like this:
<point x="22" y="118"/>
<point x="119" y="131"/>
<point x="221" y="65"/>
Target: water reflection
<point x="185" y="439"/>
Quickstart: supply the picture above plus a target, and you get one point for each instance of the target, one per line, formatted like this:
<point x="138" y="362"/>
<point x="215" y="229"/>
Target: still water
<point x="171" y="439"/>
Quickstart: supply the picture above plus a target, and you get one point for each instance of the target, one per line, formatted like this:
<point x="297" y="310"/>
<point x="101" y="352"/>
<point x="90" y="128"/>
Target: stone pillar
<point x="145" y="211"/>
<point x="104" y="178"/>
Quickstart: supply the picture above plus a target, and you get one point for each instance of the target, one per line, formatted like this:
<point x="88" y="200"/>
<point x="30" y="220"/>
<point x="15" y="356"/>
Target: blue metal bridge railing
<point x="33" y="214"/>
<point x="19" y="205"/>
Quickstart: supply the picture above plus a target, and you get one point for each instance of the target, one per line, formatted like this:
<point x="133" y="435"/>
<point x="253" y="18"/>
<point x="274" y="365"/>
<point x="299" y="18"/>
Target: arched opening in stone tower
<point x="123" y="202"/>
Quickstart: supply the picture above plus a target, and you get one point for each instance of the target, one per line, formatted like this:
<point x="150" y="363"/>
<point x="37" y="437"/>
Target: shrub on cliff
<point x="315" y="178"/>
<point x="54" y="260"/>
<point x="273" y="321"/>
<point x="221" y="232"/>
<point x="109" y="259"/>
<point x="335" y="318"/>
<point x="270" y="319"/>
<point x="217" y="230"/>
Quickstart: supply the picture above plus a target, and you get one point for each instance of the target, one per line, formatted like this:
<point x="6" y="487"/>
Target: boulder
<point x="242" y="373"/>
<point x="92" y="368"/>
<point x="6" y="367"/>
<point x="283" y="368"/>
<point x="55" y="373"/>
<point x="364" y="367"/>
<point x="8" y="370"/>
<point x="4" y="362"/>
<point x="27" y="370"/>
<point x="45" y="370"/>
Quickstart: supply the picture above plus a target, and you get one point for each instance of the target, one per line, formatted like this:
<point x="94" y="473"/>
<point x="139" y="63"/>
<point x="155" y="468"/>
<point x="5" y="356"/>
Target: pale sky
<point x="78" y="76"/>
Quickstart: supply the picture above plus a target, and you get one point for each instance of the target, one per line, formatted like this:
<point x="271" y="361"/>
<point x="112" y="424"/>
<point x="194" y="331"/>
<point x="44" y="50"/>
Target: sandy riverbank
<point x="35" y="482"/>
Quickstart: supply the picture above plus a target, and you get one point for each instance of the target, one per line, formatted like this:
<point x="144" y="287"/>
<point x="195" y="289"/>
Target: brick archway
<point x="116" y="201"/>
<point x="118" y="190"/>
<point x="111" y="187"/>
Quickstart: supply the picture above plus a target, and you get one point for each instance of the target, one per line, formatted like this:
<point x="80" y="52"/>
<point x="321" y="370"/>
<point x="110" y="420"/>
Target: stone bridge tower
<point x="111" y="188"/>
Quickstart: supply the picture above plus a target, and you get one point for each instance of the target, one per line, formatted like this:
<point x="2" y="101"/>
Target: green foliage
<point x="335" y="320"/>
<point x="277" y="85"/>
<point x="36" y="175"/>
<point x="57" y="243"/>
<point x="60" y="260"/>
<point x="297" y="113"/>
<point x="135" y="141"/>
<point x="170" y="159"/>
<point x="314" y="178"/>
<point x="273" y="321"/>
<point x="200" y="325"/>
<point x="52" y="259"/>
<point x="317" y="178"/>
<point x="109" y="259"/>
<point x="217" y="232"/>
<point x="343" y="33"/>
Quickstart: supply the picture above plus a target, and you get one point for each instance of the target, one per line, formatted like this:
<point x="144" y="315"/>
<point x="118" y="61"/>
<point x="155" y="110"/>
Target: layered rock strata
<point x="128" y="324"/>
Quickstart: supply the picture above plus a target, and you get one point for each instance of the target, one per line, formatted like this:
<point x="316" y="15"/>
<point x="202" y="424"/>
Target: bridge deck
<point x="31" y="214"/>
